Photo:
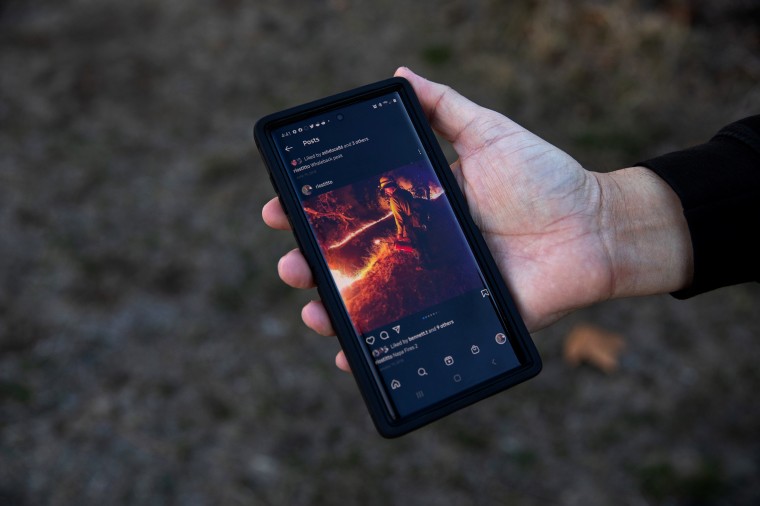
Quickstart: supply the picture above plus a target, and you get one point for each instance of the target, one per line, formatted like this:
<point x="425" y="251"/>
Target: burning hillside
<point x="381" y="279"/>
<point x="394" y="282"/>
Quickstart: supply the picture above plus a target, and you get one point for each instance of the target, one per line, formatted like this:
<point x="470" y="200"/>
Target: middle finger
<point x="294" y="270"/>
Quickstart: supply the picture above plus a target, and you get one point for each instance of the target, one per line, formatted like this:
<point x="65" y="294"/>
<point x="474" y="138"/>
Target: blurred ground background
<point x="148" y="352"/>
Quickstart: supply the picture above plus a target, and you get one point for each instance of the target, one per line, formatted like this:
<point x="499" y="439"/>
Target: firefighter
<point x="402" y="208"/>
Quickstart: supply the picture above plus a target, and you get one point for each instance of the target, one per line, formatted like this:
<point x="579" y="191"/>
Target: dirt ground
<point x="148" y="352"/>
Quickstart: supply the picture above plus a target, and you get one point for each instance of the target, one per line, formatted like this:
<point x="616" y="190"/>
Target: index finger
<point x="274" y="215"/>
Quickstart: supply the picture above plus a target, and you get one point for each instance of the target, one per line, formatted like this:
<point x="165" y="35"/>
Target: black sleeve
<point x="719" y="186"/>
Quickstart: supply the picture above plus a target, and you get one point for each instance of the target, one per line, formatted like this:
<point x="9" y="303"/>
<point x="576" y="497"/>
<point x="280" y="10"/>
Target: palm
<point x="536" y="207"/>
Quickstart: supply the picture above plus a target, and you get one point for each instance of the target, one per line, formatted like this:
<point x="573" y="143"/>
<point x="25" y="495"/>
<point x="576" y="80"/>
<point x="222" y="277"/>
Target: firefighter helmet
<point x="386" y="181"/>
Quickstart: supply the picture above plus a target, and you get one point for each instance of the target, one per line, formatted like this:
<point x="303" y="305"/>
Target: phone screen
<point x="415" y="295"/>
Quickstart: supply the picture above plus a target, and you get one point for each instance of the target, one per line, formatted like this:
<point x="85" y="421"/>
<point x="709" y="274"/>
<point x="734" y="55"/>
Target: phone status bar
<point x="312" y="124"/>
<point x="304" y="128"/>
<point x="384" y="103"/>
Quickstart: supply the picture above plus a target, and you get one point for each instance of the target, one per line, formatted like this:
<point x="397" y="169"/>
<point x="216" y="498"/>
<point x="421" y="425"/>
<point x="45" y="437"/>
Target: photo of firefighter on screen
<point x="392" y="245"/>
<point x="411" y="218"/>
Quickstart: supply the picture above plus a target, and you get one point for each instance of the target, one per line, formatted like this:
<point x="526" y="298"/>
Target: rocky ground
<point x="150" y="355"/>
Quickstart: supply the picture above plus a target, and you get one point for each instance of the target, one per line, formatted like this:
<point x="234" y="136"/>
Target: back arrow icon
<point x="288" y="148"/>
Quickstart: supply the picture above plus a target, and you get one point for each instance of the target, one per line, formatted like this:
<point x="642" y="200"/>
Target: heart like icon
<point x="370" y="340"/>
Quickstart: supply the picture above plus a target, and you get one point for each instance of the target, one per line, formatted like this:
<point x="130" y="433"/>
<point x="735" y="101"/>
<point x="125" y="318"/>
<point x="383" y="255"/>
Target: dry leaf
<point x="594" y="346"/>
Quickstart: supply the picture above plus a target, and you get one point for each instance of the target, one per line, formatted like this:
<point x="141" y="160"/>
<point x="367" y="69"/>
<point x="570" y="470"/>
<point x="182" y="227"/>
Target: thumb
<point x="449" y="112"/>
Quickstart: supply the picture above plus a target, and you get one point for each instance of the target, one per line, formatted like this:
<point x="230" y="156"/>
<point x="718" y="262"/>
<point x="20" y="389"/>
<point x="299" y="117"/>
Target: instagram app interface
<point x="415" y="295"/>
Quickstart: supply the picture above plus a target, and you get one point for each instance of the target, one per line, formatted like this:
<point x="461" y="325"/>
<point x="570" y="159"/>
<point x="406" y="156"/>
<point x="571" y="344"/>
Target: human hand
<point x="563" y="237"/>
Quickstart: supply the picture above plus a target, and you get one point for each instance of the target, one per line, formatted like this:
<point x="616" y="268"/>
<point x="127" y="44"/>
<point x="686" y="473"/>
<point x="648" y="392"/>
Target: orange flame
<point x="343" y="280"/>
<point x="358" y="231"/>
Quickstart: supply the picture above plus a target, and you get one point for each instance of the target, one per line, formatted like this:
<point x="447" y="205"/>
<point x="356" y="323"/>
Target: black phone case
<point x="374" y="397"/>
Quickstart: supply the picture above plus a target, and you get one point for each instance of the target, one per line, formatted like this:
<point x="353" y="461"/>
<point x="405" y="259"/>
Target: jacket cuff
<point x="719" y="187"/>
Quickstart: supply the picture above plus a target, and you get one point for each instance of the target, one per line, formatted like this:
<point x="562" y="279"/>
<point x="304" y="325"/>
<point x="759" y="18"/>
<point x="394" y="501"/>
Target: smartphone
<point x="419" y="306"/>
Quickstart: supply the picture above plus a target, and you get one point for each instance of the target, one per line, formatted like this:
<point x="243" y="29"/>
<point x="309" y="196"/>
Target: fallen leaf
<point x="594" y="346"/>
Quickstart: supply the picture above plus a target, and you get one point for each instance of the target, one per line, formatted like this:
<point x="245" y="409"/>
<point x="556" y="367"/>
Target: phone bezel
<point x="387" y="422"/>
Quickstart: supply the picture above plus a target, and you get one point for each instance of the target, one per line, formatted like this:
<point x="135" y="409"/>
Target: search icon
<point x="421" y="371"/>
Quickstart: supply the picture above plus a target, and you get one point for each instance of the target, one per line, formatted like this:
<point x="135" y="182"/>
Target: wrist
<point x="645" y="233"/>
